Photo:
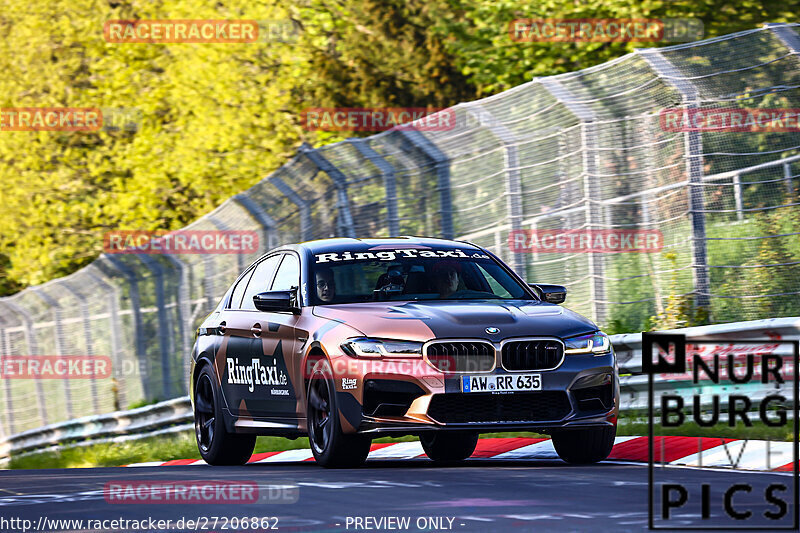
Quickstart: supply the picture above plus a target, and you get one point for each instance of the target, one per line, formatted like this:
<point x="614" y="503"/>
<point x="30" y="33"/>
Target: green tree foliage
<point x="478" y="33"/>
<point x="679" y="310"/>
<point x="378" y="53"/>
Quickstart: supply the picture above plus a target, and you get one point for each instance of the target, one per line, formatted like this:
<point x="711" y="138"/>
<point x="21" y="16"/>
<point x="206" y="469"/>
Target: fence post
<point x="787" y="176"/>
<point x="268" y="226"/>
<point x="511" y="163"/>
<point x="116" y="327"/>
<point x="136" y="309"/>
<point x="737" y="196"/>
<point x="647" y="199"/>
<point x="164" y="324"/>
<point x="568" y="196"/>
<point x="389" y="183"/>
<point x="789" y="37"/>
<point x="184" y="312"/>
<point x="306" y="229"/>
<point x="343" y="215"/>
<point x="693" y="150"/>
<point x="87" y="337"/>
<point x="33" y="349"/>
<point x="591" y="189"/>
<point x="651" y="156"/>
<point x="442" y="164"/>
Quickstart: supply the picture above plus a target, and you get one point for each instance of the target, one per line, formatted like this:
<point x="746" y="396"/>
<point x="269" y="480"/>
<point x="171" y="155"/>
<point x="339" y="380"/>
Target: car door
<point x="241" y="369"/>
<point x="278" y="345"/>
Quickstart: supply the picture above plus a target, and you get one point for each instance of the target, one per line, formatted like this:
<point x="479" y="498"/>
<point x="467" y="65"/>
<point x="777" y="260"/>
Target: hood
<point x="422" y="321"/>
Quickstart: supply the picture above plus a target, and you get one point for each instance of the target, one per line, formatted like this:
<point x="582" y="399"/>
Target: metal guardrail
<point x="628" y="346"/>
<point x="153" y="418"/>
<point x="141" y="421"/>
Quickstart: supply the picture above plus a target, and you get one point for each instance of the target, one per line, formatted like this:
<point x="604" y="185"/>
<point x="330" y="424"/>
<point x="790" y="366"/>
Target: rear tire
<point x="449" y="446"/>
<point x="332" y="448"/>
<point x="217" y="446"/>
<point x="584" y="446"/>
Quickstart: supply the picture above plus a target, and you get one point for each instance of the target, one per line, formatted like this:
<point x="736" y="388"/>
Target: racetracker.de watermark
<point x="595" y="30"/>
<point x="377" y="119"/>
<point x="199" y="492"/>
<point x="731" y="120"/>
<point x="181" y="242"/>
<point x="246" y="372"/>
<point x="572" y="241"/>
<point x="70" y="119"/>
<point x="55" y="366"/>
<point x="181" y="31"/>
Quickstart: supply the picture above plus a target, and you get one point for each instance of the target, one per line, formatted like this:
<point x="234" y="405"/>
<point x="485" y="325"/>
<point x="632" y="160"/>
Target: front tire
<point x="584" y="446"/>
<point x="449" y="446"/>
<point x="332" y="448"/>
<point x="217" y="446"/>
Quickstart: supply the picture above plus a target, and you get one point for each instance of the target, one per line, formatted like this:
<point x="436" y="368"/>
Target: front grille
<point x="532" y="354"/>
<point x="460" y="408"/>
<point x="461" y="356"/>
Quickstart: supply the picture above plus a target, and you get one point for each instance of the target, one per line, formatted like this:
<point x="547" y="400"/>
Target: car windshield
<point x="348" y="277"/>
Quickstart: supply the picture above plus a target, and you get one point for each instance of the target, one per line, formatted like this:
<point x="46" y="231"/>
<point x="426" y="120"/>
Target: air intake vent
<point x="596" y="398"/>
<point x="384" y="397"/>
<point x="458" y="408"/>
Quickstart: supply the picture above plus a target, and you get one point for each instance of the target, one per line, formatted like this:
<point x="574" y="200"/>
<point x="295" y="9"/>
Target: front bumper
<point x="411" y="397"/>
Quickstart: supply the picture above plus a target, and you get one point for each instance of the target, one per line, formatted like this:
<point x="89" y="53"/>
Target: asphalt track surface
<point x="478" y="495"/>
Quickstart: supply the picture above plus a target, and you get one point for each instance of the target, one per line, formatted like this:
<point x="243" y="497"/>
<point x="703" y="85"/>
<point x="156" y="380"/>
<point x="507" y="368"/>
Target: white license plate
<point x="501" y="383"/>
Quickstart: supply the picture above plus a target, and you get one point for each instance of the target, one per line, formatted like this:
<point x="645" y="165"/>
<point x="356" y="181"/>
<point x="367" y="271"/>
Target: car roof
<point x="341" y="244"/>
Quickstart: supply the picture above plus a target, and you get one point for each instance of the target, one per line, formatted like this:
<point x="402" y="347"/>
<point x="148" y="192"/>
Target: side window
<point x="238" y="292"/>
<point x="288" y="275"/>
<point x="262" y="275"/>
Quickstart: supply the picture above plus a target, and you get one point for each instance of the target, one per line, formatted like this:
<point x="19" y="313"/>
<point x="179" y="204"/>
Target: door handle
<point x="256" y="330"/>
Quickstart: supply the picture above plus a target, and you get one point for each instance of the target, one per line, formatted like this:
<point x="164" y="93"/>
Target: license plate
<point x="501" y="383"/>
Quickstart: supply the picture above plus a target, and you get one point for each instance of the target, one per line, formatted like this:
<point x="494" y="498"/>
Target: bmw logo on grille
<point x="492" y="330"/>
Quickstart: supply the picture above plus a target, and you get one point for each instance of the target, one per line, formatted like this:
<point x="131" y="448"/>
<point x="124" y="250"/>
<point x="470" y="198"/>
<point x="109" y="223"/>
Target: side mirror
<point x="276" y="301"/>
<point x="554" y="294"/>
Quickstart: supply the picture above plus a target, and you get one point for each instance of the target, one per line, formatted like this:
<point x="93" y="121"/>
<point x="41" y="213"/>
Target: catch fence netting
<point x="588" y="150"/>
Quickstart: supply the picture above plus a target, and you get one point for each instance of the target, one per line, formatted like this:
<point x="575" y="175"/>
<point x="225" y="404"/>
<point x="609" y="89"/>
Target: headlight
<point x="364" y="347"/>
<point x="596" y="343"/>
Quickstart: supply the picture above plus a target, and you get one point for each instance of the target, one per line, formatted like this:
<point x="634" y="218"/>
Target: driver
<point x="446" y="278"/>
<point x="326" y="287"/>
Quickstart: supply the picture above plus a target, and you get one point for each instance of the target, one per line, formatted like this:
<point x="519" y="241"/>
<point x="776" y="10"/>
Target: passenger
<point x="326" y="287"/>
